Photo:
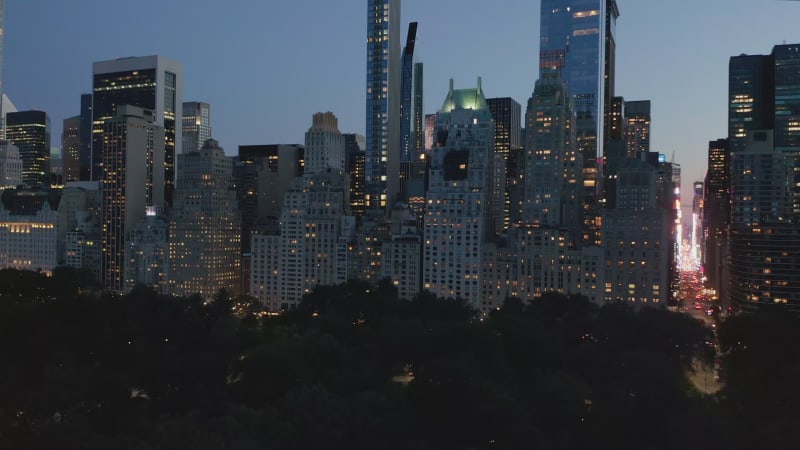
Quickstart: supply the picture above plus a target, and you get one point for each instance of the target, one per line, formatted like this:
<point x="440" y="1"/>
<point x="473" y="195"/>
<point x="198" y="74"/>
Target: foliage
<point x="355" y="367"/>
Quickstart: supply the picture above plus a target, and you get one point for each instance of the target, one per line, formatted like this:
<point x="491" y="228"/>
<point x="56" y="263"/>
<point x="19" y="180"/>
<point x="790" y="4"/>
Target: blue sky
<point x="267" y="65"/>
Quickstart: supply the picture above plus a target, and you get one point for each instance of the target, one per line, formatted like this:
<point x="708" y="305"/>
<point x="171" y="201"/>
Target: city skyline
<point x="678" y="62"/>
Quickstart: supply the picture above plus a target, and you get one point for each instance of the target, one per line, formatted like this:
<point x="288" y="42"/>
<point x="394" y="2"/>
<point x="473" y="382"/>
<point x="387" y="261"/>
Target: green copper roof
<point x="465" y="99"/>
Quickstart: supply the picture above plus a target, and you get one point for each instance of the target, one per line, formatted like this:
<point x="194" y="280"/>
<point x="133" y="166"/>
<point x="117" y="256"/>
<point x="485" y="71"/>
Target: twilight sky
<point x="267" y="65"/>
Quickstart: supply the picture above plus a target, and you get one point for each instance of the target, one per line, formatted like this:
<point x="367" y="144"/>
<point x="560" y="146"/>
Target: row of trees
<point x="355" y="367"/>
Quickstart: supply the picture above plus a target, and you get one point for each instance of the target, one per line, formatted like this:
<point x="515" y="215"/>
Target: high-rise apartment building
<point x="716" y="215"/>
<point x="153" y="83"/>
<point x="30" y="132"/>
<point x="196" y="125"/>
<point x="459" y="199"/>
<point x="383" y="102"/>
<point x="506" y="113"/>
<point x="133" y="156"/>
<point x="324" y="145"/>
<point x="71" y="148"/>
<point x="147" y="254"/>
<point x="205" y="225"/>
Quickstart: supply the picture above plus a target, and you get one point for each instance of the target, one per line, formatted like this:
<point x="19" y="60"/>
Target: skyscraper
<point x="577" y="41"/>
<point x="383" y="102"/>
<point x="787" y="120"/>
<point x="406" y="111"/>
<point x="205" y="224"/>
<point x="153" y="83"/>
<point x="459" y="200"/>
<point x="196" y="125"/>
<point x="418" y="116"/>
<point x="637" y="128"/>
<point x="133" y="153"/>
<point x="324" y="145"/>
<point x="506" y="113"/>
<point x="354" y="166"/>
<point x="85" y="154"/>
<point x="70" y="148"/>
<point x="30" y="132"/>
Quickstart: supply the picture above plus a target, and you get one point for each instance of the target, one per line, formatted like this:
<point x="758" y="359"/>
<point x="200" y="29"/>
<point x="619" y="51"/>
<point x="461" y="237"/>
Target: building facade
<point x="153" y="83"/>
<point x="30" y="132"/>
<point x="133" y="180"/>
<point x="196" y="125"/>
<point x="384" y="79"/>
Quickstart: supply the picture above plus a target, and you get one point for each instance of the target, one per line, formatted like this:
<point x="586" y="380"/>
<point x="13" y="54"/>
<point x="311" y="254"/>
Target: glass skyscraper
<point x="407" y="144"/>
<point x="573" y="41"/>
<point x="383" y="102"/>
<point x="30" y="132"/>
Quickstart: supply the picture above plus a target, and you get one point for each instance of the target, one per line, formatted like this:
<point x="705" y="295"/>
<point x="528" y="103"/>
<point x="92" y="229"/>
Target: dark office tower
<point x="2" y="16"/>
<point x="30" y="132"/>
<point x="85" y="171"/>
<point x="406" y="110"/>
<point x="637" y="128"/>
<point x="133" y="150"/>
<point x="263" y="176"/>
<point x="354" y="166"/>
<point x="787" y="120"/>
<point x="552" y="163"/>
<point x="418" y="117"/>
<point x="506" y="113"/>
<point x="383" y="102"/>
<point x="70" y="148"/>
<point x="150" y="82"/>
<point x="196" y="125"/>
<point x="574" y="39"/>
<point x="751" y="85"/>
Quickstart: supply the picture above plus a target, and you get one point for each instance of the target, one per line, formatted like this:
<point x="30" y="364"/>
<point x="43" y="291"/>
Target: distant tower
<point x="418" y="116"/>
<point x="70" y="148"/>
<point x="153" y="83"/>
<point x="324" y="145"/>
<point x="459" y="200"/>
<point x="406" y="111"/>
<point x="133" y="151"/>
<point x="85" y="133"/>
<point x="354" y="166"/>
<point x="196" y="125"/>
<point x="205" y="224"/>
<point x="383" y="102"/>
<point x="30" y="132"/>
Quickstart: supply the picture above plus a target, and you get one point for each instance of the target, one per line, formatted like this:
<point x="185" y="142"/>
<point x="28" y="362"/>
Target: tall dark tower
<point x="751" y="86"/>
<point x="418" y="116"/>
<point x="406" y="111"/>
<point x="153" y="83"/>
<point x="507" y="115"/>
<point x="85" y="153"/>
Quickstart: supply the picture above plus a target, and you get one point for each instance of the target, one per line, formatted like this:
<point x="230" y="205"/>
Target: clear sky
<point x="267" y="65"/>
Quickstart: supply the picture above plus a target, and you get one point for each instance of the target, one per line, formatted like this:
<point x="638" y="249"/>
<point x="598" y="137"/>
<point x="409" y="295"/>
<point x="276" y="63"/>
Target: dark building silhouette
<point x="30" y="132"/>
